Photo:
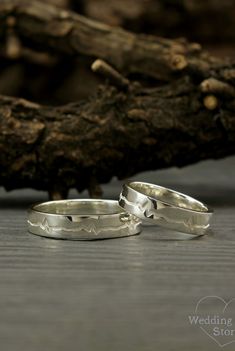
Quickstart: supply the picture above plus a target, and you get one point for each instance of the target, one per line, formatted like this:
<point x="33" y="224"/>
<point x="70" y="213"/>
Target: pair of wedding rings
<point x="101" y="219"/>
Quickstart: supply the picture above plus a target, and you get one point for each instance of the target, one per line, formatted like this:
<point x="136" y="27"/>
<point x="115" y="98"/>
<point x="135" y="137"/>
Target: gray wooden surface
<point x="122" y="294"/>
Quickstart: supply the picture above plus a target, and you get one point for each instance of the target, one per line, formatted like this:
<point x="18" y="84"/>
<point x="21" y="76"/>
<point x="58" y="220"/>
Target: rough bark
<point x="48" y="27"/>
<point x="147" y="16"/>
<point x="114" y="134"/>
<point x="122" y="130"/>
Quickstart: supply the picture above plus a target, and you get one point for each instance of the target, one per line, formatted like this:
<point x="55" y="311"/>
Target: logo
<point x="216" y="318"/>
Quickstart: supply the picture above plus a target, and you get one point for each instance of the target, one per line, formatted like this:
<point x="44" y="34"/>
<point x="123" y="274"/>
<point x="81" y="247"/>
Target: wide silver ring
<point x="82" y="220"/>
<point x="165" y="207"/>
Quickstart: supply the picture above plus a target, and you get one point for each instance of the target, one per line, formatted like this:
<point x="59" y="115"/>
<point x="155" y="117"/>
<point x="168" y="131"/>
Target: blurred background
<point x="132" y="294"/>
<point x="34" y="75"/>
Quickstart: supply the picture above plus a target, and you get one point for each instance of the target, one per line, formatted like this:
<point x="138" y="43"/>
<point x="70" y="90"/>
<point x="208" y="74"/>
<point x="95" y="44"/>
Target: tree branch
<point x="124" y="129"/>
<point x="114" y="134"/>
<point x="51" y="28"/>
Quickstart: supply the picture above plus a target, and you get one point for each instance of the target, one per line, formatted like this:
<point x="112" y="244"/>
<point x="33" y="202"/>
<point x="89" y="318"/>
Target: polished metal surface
<point x="165" y="207"/>
<point x="132" y="294"/>
<point x="81" y="220"/>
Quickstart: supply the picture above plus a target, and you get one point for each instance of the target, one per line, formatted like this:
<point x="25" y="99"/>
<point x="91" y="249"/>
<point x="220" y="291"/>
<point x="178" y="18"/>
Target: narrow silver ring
<point x="81" y="220"/>
<point x="165" y="207"/>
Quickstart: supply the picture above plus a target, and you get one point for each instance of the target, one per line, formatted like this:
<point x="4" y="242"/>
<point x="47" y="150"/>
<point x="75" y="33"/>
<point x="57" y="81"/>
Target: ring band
<point x="165" y="207"/>
<point x="82" y="220"/>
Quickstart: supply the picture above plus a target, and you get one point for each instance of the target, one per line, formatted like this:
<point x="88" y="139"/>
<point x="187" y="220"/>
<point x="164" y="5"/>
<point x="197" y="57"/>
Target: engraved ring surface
<point x="81" y="220"/>
<point x="165" y="207"/>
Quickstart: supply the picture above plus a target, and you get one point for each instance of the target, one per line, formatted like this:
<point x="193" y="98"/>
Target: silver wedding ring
<point x="165" y="207"/>
<point x="82" y="220"/>
<point x="101" y="219"/>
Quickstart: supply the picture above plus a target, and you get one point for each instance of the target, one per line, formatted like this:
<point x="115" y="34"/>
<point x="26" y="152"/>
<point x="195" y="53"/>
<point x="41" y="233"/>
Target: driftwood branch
<point x="124" y="129"/>
<point x="114" y="134"/>
<point x="47" y="27"/>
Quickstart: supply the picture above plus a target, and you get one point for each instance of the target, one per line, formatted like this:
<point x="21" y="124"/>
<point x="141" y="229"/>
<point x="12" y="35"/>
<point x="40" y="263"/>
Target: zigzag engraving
<point x="90" y="227"/>
<point x="145" y="208"/>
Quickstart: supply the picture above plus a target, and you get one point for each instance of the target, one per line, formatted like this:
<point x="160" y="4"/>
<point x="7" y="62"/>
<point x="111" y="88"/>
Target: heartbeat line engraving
<point x="150" y="213"/>
<point x="89" y="225"/>
<point x="145" y="207"/>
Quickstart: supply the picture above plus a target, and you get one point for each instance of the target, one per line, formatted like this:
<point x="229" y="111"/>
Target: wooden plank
<point x="122" y="294"/>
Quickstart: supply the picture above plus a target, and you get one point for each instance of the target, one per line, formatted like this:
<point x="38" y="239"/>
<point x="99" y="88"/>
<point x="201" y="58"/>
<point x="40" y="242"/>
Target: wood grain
<point x="122" y="294"/>
<point x="179" y="111"/>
